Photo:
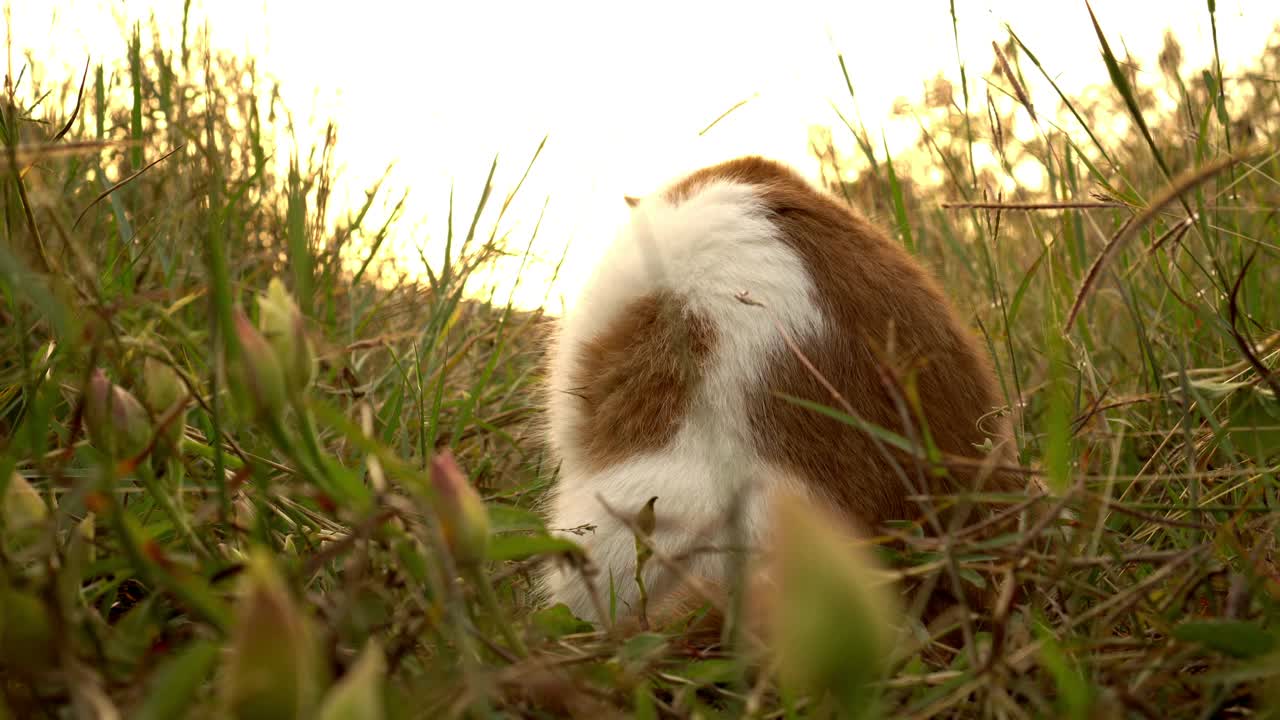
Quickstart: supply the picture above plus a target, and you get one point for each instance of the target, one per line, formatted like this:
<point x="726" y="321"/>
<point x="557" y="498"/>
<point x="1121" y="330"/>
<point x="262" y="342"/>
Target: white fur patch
<point x="705" y="250"/>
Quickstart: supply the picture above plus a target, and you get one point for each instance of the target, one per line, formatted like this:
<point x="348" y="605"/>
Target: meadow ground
<point x="194" y="523"/>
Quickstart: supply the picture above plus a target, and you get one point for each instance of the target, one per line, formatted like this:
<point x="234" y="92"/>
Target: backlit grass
<point x="312" y="547"/>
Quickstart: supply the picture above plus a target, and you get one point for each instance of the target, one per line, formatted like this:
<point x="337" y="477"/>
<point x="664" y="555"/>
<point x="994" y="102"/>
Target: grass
<point x="311" y="549"/>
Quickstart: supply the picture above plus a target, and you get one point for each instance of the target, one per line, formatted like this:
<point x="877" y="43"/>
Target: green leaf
<point x="26" y="632"/>
<point x="1074" y="694"/>
<point x="358" y="695"/>
<point x="134" y="631"/>
<point x="557" y="621"/>
<point x="886" y="436"/>
<point x="520" y="547"/>
<point x="644" y="707"/>
<point x="174" y="684"/>
<point x="972" y="576"/>
<point x="301" y="257"/>
<point x="1126" y="92"/>
<point x="899" y="204"/>
<point x="1018" y="294"/>
<point x="1216" y="388"/>
<point x="191" y="589"/>
<point x="507" y="518"/>
<point x="711" y="672"/>
<point x="411" y="558"/>
<point x="642" y="648"/>
<point x="1236" y="638"/>
<point x="1059" y="408"/>
<point x="1254" y="428"/>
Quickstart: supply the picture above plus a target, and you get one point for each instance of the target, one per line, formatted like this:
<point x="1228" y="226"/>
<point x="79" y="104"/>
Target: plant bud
<point x="272" y="669"/>
<point x="23" y="514"/>
<point x="161" y="390"/>
<point x="116" y="422"/>
<point x="646" y="521"/>
<point x="833" y="615"/>
<point x="253" y="372"/>
<point x="87" y="530"/>
<point x="358" y="695"/>
<point x="283" y="328"/>
<point x="23" y="507"/>
<point x="463" y="517"/>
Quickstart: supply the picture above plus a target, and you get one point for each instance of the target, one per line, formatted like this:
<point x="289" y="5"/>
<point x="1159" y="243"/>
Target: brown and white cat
<point x="664" y="382"/>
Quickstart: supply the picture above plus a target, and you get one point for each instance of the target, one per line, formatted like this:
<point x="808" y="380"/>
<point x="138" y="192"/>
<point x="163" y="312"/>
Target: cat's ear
<point x="631" y="201"/>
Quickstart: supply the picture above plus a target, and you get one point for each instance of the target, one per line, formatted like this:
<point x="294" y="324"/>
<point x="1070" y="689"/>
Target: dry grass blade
<point x="1082" y="205"/>
<point x="1176" y="232"/>
<point x="726" y="113"/>
<point x="103" y="195"/>
<point x="1123" y="86"/>
<point x="75" y="112"/>
<point x="1186" y="182"/>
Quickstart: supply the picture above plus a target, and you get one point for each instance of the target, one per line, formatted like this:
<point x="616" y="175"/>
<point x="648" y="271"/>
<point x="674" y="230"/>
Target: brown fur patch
<point x="636" y="379"/>
<point x="886" y="316"/>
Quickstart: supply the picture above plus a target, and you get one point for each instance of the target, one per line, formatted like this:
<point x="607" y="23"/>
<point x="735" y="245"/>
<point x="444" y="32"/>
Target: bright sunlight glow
<point x="623" y="92"/>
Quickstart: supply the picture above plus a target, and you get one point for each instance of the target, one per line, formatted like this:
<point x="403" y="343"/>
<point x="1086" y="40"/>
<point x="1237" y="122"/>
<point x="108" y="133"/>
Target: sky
<point x="622" y="92"/>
